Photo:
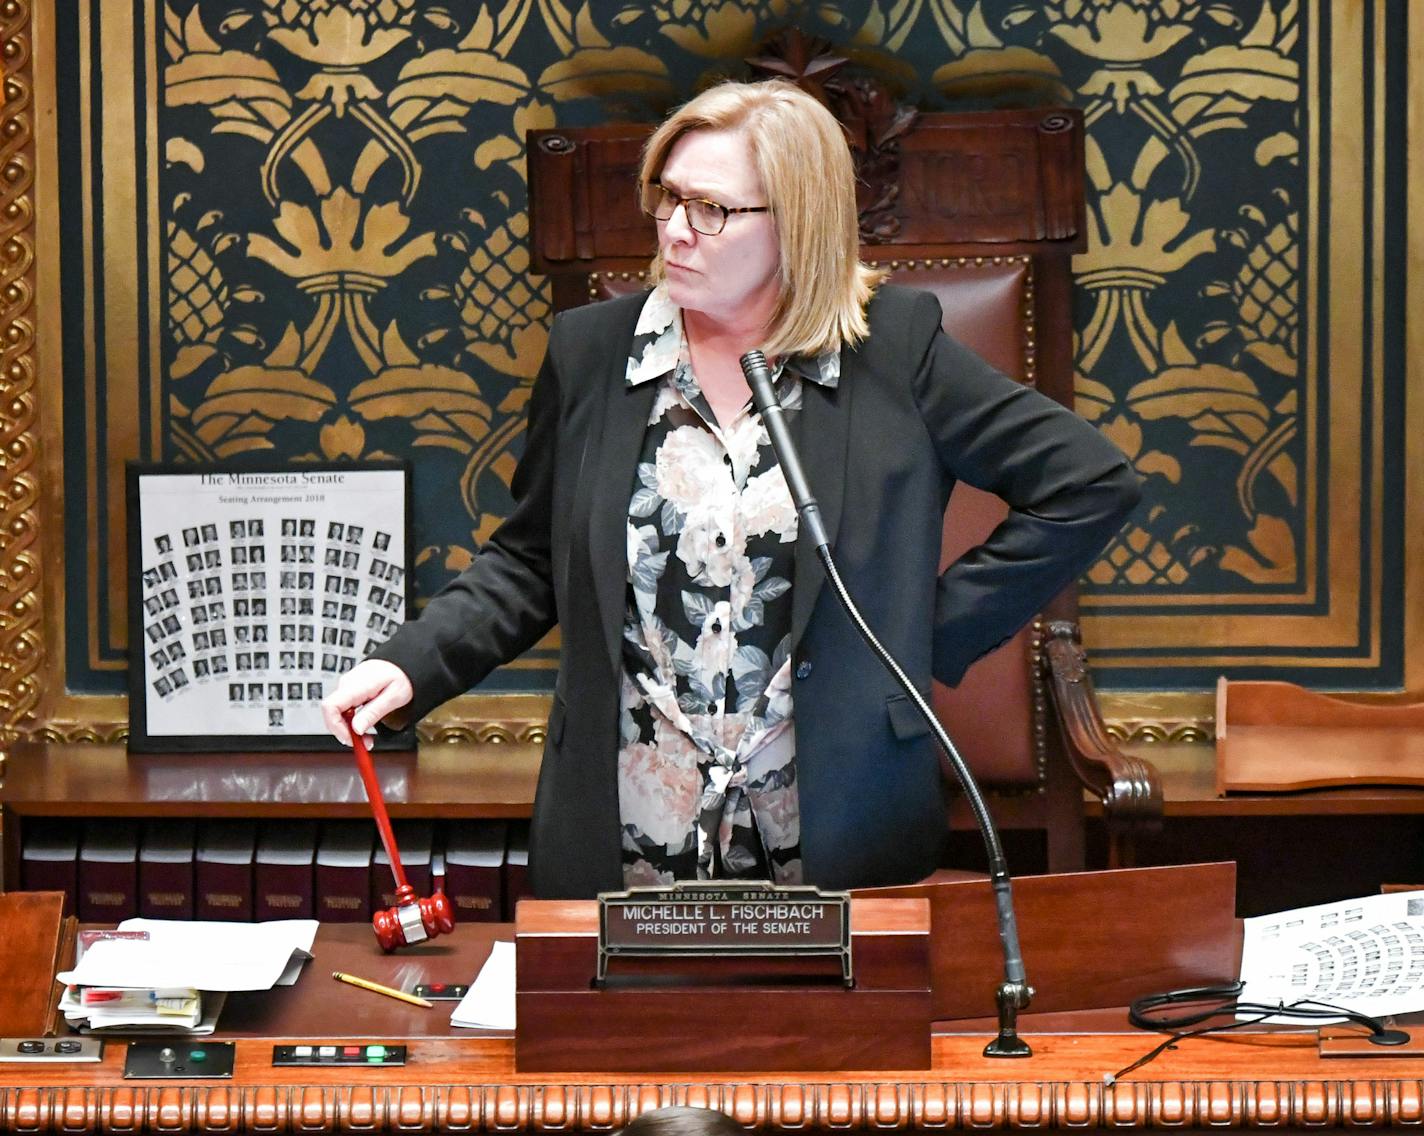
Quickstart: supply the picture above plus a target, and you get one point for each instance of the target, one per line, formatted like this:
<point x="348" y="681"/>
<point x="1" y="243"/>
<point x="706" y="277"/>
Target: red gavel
<point x="411" y="920"/>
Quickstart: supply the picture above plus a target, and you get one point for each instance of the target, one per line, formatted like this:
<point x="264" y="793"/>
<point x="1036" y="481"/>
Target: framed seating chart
<point x="251" y="591"/>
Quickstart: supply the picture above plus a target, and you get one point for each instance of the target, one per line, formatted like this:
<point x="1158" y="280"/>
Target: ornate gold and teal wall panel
<point x="272" y="229"/>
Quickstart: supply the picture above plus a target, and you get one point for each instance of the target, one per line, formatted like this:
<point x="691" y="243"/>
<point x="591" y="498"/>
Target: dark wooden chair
<point x="984" y="209"/>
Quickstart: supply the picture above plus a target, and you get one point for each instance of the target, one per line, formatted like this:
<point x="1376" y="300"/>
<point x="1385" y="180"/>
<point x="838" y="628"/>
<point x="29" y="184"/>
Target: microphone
<point x="758" y="376"/>
<point x="1014" y="993"/>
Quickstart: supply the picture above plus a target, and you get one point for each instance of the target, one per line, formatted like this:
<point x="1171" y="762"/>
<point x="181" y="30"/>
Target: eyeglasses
<point x="706" y="217"/>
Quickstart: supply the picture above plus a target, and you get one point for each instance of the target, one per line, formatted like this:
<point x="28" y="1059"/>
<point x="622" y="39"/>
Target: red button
<point x="350" y="1051"/>
<point x="437" y="987"/>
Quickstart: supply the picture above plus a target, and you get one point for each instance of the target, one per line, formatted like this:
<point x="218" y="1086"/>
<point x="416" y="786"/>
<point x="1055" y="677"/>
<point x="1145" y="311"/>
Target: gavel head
<point x="413" y="920"/>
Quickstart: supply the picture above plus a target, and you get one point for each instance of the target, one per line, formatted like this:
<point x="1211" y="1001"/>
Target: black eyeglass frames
<point x="706" y="217"/>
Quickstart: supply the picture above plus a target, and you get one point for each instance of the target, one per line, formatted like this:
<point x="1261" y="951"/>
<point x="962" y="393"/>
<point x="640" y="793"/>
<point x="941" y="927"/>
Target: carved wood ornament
<point x="873" y="121"/>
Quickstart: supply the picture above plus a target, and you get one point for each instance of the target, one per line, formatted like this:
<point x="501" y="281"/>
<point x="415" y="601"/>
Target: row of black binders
<point x="335" y="871"/>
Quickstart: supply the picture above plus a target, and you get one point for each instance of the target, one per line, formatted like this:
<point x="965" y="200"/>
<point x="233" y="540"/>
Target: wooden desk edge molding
<point x="1262" y="1081"/>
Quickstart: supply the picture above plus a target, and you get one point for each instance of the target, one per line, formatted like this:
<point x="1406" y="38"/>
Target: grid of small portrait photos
<point x="253" y="592"/>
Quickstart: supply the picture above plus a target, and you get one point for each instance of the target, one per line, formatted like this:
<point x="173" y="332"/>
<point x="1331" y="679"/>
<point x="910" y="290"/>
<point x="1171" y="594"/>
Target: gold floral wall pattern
<point x="347" y="275"/>
<point x="1179" y="98"/>
<point x="336" y="223"/>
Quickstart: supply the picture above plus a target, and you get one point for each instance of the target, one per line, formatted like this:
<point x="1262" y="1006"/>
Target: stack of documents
<point x="172" y="976"/>
<point x="109" y="1007"/>
<point x="178" y="1009"/>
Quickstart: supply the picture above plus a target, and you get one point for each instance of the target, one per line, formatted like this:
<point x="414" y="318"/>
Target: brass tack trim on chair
<point x="595" y="277"/>
<point x="1040" y="706"/>
<point x="1030" y="350"/>
<point x="1030" y="341"/>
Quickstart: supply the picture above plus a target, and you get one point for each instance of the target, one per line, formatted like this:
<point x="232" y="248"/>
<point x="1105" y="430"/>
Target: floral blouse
<point x="707" y="756"/>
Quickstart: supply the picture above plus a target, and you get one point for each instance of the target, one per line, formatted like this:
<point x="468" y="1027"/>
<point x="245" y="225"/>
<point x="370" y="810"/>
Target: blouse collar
<point x="657" y="346"/>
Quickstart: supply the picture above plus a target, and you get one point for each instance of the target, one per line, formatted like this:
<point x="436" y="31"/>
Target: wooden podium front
<point x="719" y="1014"/>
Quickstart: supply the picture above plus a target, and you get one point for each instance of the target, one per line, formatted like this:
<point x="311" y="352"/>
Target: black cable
<point x="1219" y="1001"/>
<point x="1110" y="1079"/>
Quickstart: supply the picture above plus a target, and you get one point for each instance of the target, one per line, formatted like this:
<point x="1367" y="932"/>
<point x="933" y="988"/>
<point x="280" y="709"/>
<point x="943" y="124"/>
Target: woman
<point x="715" y="714"/>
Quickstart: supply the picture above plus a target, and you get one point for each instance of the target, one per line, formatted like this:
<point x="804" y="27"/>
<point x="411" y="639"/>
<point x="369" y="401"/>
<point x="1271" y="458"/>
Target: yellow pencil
<point x="367" y="984"/>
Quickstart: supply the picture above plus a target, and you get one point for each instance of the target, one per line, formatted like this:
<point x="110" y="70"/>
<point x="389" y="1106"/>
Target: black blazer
<point x="914" y="413"/>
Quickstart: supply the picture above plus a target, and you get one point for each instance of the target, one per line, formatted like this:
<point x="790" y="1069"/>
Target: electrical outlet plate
<point x="50" y="1049"/>
<point x="181" y="1059"/>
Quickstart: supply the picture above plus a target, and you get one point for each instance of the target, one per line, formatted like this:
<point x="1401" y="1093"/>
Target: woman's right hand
<point x="373" y="689"/>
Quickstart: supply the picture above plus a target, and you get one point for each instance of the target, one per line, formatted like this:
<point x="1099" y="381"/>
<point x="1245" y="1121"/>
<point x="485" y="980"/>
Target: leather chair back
<point x="995" y="714"/>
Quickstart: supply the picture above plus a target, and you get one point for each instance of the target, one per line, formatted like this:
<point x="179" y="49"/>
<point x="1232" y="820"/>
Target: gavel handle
<point x="367" y="769"/>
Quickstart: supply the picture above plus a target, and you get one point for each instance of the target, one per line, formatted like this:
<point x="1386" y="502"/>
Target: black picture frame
<point x="252" y="589"/>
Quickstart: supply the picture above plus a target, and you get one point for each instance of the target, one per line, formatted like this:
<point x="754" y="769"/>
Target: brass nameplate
<point x="708" y="918"/>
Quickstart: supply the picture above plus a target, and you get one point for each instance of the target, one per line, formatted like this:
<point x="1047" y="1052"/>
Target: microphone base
<point x="1008" y="1046"/>
<point x="1011" y="997"/>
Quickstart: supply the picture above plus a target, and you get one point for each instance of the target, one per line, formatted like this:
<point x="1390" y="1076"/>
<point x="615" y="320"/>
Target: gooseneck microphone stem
<point x="1014" y="992"/>
<point x="758" y="376"/>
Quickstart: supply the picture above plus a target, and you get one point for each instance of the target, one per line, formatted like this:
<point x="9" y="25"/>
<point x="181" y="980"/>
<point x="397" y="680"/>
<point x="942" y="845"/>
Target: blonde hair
<point x="800" y="154"/>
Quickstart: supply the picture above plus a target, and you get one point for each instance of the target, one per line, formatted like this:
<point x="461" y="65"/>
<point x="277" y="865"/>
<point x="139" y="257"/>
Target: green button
<point x="376" y="1052"/>
<point x="197" y="1055"/>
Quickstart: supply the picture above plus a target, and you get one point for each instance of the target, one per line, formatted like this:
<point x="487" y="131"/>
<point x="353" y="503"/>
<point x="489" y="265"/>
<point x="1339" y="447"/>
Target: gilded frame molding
<point x="22" y="630"/>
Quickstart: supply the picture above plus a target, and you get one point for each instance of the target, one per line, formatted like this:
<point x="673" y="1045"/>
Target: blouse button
<point x="726" y="459"/>
<point x="711" y="707"/>
<point x="721" y="540"/>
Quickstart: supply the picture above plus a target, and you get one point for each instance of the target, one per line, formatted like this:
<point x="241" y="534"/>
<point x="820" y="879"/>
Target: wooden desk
<point x="442" y="781"/>
<point x="465" y="1080"/>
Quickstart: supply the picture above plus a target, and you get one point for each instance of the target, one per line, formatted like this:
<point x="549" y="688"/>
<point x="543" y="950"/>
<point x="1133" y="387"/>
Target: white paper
<point x="293" y="969"/>
<point x="202" y="954"/>
<point x="489" y="1004"/>
<point x="1365" y="955"/>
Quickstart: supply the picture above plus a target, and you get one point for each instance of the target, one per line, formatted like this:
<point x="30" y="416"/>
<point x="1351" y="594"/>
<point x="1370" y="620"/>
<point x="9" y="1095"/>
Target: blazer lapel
<point x="613" y="471"/>
<point x="821" y="431"/>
